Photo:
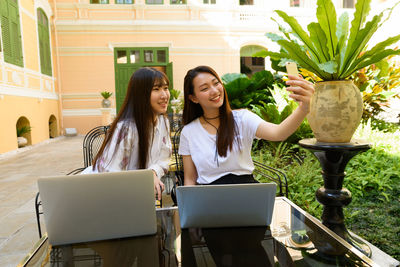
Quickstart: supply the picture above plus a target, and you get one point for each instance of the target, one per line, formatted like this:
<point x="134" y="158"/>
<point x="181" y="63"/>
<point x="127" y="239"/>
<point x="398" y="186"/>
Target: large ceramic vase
<point x="335" y="111"/>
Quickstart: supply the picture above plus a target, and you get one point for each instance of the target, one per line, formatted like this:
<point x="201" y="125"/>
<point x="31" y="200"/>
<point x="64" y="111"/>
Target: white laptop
<point x="208" y="206"/>
<point x="89" y="207"/>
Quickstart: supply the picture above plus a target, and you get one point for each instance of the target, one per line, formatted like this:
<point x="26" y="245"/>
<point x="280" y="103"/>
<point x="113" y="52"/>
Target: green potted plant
<point x="333" y="50"/>
<point x="106" y="103"/>
<point x="21" y="131"/>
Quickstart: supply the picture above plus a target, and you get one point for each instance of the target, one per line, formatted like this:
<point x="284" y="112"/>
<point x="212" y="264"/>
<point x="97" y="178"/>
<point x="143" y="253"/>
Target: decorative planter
<point x="22" y="141"/>
<point x="106" y="103"/>
<point x="335" y="111"/>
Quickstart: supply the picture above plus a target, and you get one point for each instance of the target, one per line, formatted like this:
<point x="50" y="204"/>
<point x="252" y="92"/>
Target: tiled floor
<point x="18" y="188"/>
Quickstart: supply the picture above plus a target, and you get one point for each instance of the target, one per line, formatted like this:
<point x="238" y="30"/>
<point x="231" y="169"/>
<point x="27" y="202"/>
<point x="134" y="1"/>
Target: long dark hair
<point x="136" y="108"/>
<point x="227" y="128"/>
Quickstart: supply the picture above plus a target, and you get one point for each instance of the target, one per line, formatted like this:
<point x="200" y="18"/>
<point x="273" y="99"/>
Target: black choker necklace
<point x="205" y="118"/>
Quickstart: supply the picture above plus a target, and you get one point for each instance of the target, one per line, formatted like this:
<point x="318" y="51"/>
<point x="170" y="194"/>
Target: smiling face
<point x="208" y="92"/>
<point x="159" y="97"/>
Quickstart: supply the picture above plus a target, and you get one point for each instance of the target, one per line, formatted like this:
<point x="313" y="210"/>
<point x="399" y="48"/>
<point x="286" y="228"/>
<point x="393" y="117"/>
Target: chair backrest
<point x="92" y="143"/>
<point x="175" y="121"/>
<point x="178" y="158"/>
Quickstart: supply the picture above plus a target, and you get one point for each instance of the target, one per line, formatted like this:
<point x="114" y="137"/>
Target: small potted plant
<point x="174" y="97"/>
<point x="22" y="141"/>
<point x="333" y="50"/>
<point x="106" y="103"/>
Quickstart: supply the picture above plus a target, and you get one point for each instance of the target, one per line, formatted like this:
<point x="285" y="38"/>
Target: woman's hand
<point x="301" y="91"/>
<point x="158" y="186"/>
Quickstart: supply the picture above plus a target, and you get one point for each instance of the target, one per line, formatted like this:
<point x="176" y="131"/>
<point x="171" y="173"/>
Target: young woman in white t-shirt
<point x="139" y="136"/>
<point x="216" y="141"/>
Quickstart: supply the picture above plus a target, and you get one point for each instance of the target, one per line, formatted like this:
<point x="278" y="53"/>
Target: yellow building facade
<point x="95" y="45"/>
<point x="29" y="95"/>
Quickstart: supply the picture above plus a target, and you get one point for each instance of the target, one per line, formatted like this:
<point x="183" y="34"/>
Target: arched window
<point x="248" y="63"/>
<point x="44" y="42"/>
<point x="11" y="32"/>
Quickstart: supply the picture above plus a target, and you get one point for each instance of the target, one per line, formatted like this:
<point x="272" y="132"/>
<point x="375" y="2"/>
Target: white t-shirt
<point x="201" y="146"/>
<point x="121" y="152"/>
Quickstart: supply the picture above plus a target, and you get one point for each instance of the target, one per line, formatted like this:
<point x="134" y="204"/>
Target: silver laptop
<point x="208" y="206"/>
<point x="89" y="207"/>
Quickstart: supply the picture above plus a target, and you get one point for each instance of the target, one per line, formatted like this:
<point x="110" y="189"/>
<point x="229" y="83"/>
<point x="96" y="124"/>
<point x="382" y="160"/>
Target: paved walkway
<point x="19" y="171"/>
<point x="18" y="188"/>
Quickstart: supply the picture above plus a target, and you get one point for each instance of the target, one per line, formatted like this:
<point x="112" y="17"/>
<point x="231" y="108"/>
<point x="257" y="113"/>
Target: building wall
<point x="25" y="91"/>
<point x="84" y="36"/>
<point x="195" y="34"/>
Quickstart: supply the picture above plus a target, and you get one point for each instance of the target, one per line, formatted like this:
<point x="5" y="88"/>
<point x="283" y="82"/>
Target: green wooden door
<point x="122" y="76"/>
<point x="128" y="60"/>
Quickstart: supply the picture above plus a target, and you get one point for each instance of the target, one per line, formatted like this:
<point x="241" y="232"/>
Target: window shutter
<point x="44" y="43"/>
<point x="15" y="34"/>
<point x="5" y="30"/>
<point x="47" y="53"/>
<point x="11" y="32"/>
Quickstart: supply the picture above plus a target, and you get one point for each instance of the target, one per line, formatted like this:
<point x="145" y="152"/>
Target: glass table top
<point x="294" y="238"/>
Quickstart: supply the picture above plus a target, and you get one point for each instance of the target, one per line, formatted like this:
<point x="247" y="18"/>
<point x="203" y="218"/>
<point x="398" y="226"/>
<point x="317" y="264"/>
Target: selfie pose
<point x="216" y="141"/>
<point x="139" y="136"/>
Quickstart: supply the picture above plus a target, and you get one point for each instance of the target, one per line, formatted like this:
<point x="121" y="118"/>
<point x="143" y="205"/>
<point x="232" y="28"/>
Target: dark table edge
<point x="41" y="241"/>
<point x="331" y="233"/>
<point x="36" y="247"/>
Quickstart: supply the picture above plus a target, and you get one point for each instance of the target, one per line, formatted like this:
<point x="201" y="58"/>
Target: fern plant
<point x="332" y="49"/>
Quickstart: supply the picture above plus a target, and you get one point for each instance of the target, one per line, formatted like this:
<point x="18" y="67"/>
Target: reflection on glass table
<point x="294" y="238"/>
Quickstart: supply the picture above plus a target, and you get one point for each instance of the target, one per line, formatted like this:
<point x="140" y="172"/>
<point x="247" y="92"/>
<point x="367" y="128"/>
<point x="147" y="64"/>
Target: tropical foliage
<point x="372" y="178"/>
<point x="244" y="91"/>
<point x="332" y="49"/>
<point x="281" y="109"/>
<point x="377" y="83"/>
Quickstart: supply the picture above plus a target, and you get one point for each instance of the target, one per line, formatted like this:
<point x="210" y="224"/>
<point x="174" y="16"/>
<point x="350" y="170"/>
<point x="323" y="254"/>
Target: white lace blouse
<point x="122" y="151"/>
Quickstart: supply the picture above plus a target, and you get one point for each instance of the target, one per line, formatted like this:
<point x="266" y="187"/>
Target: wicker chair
<point x="260" y="170"/>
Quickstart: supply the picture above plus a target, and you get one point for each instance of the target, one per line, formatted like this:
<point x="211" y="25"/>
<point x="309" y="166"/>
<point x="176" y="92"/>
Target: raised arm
<point x="301" y="91"/>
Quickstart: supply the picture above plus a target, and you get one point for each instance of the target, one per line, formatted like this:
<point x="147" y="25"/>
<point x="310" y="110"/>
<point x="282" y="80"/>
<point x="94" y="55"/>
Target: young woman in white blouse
<point x="139" y="136"/>
<point x="216" y="141"/>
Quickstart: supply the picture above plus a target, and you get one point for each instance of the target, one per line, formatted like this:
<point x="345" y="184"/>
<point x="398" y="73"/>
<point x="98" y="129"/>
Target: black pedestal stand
<point x="333" y="158"/>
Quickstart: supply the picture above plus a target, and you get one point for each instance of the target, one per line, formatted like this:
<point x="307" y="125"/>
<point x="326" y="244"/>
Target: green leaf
<point x="282" y="29"/>
<point x="274" y="37"/>
<point x="360" y="13"/>
<point x="304" y="61"/>
<point x="329" y="67"/>
<point x="376" y="58"/>
<point x="378" y="48"/>
<point x="326" y="15"/>
<point x="342" y="31"/>
<point x="359" y="45"/>
<point x="318" y="38"/>
<point x="298" y="30"/>
<point x="283" y="61"/>
<point x="273" y="55"/>
<point x="262" y="79"/>
<point x="229" y="77"/>
<point x="237" y="87"/>
<point x="383" y="67"/>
